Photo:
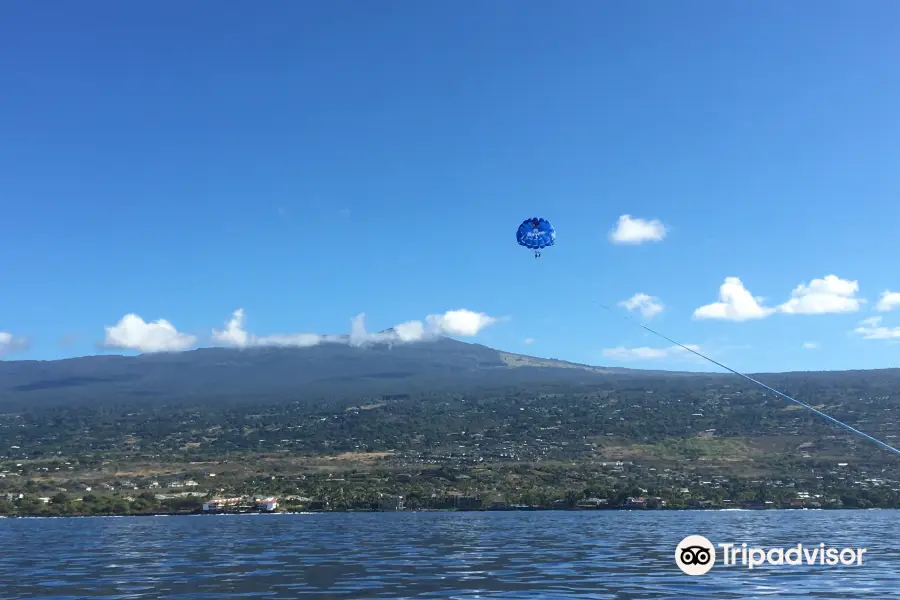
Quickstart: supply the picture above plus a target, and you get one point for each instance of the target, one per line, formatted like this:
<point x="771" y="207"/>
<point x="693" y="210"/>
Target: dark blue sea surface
<point x="559" y="554"/>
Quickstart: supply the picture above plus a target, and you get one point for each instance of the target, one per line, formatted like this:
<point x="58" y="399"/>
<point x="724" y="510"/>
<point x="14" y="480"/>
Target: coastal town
<point x="609" y="485"/>
<point x="650" y="448"/>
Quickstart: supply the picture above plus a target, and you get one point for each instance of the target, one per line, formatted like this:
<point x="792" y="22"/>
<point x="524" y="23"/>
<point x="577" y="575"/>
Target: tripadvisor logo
<point x="696" y="555"/>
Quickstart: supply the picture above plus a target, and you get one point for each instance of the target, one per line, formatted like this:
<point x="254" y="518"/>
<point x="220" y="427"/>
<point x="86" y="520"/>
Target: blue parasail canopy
<point x="536" y="234"/>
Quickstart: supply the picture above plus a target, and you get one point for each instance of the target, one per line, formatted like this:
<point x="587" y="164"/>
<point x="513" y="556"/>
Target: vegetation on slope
<point x="679" y="441"/>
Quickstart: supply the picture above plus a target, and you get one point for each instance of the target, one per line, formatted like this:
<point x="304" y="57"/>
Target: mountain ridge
<point x="325" y="370"/>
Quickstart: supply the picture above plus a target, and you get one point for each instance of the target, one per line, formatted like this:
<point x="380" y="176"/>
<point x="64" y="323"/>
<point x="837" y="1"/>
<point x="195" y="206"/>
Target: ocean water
<point x="559" y="554"/>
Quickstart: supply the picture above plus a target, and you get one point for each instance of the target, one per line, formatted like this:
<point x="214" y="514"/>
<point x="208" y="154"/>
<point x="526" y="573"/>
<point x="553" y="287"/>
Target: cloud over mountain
<point x="827" y="295"/>
<point x="460" y="323"/>
<point x="133" y="333"/>
<point x="10" y="343"/>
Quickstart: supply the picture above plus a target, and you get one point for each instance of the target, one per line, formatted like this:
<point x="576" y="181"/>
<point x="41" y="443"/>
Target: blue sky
<point x="308" y="162"/>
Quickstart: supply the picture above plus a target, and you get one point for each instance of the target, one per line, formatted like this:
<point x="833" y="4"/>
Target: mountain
<point x="330" y="370"/>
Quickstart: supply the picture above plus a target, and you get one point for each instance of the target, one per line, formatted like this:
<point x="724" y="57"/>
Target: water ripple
<point x="582" y="555"/>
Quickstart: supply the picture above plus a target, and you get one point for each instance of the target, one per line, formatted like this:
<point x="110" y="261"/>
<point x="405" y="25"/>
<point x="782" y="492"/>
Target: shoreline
<point x="434" y="510"/>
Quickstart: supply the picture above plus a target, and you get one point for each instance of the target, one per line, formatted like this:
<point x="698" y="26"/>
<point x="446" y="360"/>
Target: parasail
<point x="536" y="234"/>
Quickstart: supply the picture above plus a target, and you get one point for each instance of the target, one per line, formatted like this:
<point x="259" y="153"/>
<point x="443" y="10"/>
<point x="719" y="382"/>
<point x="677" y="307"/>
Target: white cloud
<point x="649" y="306"/>
<point x="410" y="331"/>
<point x="823" y="296"/>
<point x="872" y="329"/>
<point x="888" y="301"/>
<point x="291" y="340"/>
<point x="462" y="323"/>
<point x="235" y="335"/>
<point x="132" y="333"/>
<point x="630" y="230"/>
<point x="810" y="345"/>
<point x="529" y="340"/>
<point x="10" y="343"/>
<point x="645" y="353"/>
<point x="735" y="304"/>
